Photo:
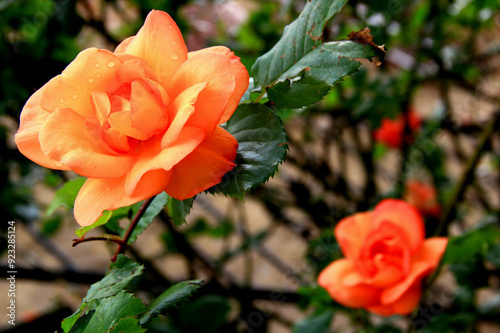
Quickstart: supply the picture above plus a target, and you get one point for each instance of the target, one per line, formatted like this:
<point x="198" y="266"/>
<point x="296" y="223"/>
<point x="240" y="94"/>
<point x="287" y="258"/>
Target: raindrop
<point x="74" y="96"/>
<point x="98" y="75"/>
<point x="174" y="56"/>
<point x="97" y="65"/>
<point x="61" y="101"/>
<point x="111" y="63"/>
<point x="90" y="80"/>
<point x="170" y="27"/>
<point x="174" y="43"/>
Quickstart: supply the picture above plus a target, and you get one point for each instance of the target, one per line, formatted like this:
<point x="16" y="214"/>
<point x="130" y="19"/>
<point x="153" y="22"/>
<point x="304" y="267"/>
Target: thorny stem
<point x="122" y="242"/>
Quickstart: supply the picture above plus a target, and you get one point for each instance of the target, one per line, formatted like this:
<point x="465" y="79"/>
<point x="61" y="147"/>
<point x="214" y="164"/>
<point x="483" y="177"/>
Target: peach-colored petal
<point x="93" y="70"/>
<point x="134" y="69"/>
<point x="205" y="166"/>
<point x="98" y="195"/>
<point x="153" y="157"/>
<point x="27" y="137"/>
<point x="74" y="141"/>
<point x="122" y="122"/>
<point x="404" y="216"/>
<point x="333" y="277"/>
<point x="241" y="78"/>
<point x="431" y="251"/>
<point x="147" y="110"/>
<point x="418" y="270"/>
<point x="159" y="42"/>
<point x="351" y="232"/>
<point x="122" y="47"/>
<point x="402" y="306"/>
<point x="215" y="69"/>
<point x="182" y="109"/>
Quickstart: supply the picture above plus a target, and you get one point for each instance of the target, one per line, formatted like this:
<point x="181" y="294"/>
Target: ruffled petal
<point x="98" y="195"/>
<point x="335" y="279"/>
<point x="159" y="42"/>
<point x="93" y="70"/>
<point x="204" y="167"/>
<point x="27" y="137"/>
<point x="74" y="141"/>
<point x="351" y="233"/>
<point x="215" y="69"/>
<point x="402" y="306"/>
<point x="153" y="157"/>
<point x="405" y="217"/>
<point x="181" y="111"/>
<point x="241" y="78"/>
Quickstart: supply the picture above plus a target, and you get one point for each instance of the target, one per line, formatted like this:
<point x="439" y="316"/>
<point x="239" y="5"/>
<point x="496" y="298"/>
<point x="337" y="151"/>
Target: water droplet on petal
<point x="174" y="43"/>
<point x="74" y="96"/>
<point x="98" y="75"/>
<point x="111" y="63"/>
<point x="97" y="65"/>
<point x="61" y="100"/>
<point x="170" y="27"/>
<point x="56" y="108"/>
<point x="174" y="56"/>
<point x="90" y="80"/>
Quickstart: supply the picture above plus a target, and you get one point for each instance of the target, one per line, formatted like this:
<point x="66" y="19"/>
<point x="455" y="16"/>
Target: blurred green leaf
<point x="262" y="147"/>
<point x="316" y="323"/>
<point x="51" y="225"/>
<point x="66" y="195"/>
<point x="205" y="314"/>
<point x="171" y="298"/>
<point x="128" y="325"/>
<point x="493" y="255"/>
<point x="151" y="212"/>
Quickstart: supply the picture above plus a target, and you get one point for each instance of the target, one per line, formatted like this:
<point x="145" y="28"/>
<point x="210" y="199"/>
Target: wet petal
<point x="27" y="137"/>
<point x="215" y="69"/>
<point x="241" y="78"/>
<point x="98" y="195"/>
<point x="205" y="166"/>
<point x="69" y="138"/>
<point x="159" y="42"/>
<point x="152" y="157"/>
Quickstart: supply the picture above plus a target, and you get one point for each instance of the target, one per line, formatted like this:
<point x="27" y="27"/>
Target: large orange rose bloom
<point x="386" y="257"/>
<point x="137" y="121"/>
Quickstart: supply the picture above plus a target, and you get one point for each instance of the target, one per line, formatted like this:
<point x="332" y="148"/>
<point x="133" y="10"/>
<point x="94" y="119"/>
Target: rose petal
<point x="333" y="279"/>
<point x="93" y="70"/>
<point x="27" y="137"/>
<point x="404" y="216"/>
<point x="148" y="113"/>
<point x="153" y="157"/>
<point x="215" y="69"/>
<point x="351" y="232"/>
<point x="402" y="306"/>
<point x="204" y="167"/>
<point x="181" y="110"/>
<point x="98" y="195"/>
<point x="241" y="78"/>
<point x="159" y="42"/>
<point x="69" y="138"/>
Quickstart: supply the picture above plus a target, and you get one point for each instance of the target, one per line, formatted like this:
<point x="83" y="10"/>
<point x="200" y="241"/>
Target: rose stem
<point x="123" y="244"/>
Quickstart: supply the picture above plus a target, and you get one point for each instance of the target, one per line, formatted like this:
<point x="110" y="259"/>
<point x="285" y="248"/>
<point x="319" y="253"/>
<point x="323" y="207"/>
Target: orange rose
<point x="386" y="259"/>
<point x="137" y="121"/>
<point x="391" y="130"/>
<point x="422" y="196"/>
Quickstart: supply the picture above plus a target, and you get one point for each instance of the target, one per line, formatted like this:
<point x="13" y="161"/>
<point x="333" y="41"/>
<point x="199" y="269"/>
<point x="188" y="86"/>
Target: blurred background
<point x="423" y="126"/>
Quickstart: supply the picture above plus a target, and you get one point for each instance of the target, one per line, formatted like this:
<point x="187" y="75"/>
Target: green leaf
<point x="171" y="298"/>
<point x="120" y="274"/>
<point x="66" y="195"/>
<point x="178" y="210"/>
<point x="299" y="38"/>
<point x="151" y="212"/>
<point x="103" y="219"/>
<point x="316" y="323"/>
<point x="262" y="147"/>
<point x="493" y="255"/>
<point x="112" y="309"/>
<point x="128" y="325"/>
<point x="312" y="76"/>
<point x="51" y="225"/>
<point x="206" y="314"/>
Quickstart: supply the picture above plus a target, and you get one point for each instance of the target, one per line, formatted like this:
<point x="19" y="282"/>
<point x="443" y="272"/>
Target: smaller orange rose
<point x="391" y="130"/>
<point x="423" y="196"/>
<point x="386" y="258"/>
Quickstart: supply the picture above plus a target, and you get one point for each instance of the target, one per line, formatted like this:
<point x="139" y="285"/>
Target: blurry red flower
<point x="422" y="196"/>
<point x="386" y="258"/>
<point x="391" y="130"/>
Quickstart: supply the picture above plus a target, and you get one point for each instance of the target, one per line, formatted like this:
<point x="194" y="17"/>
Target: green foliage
<point x="316" y="323"/>
<point x="210" y="312"/>
<point x="151" y="212"/>
<point x="262" y="147"/>
<point x="66" y="195"/>
<point x="171" y="298"/>
<point x="179" y="210"/>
